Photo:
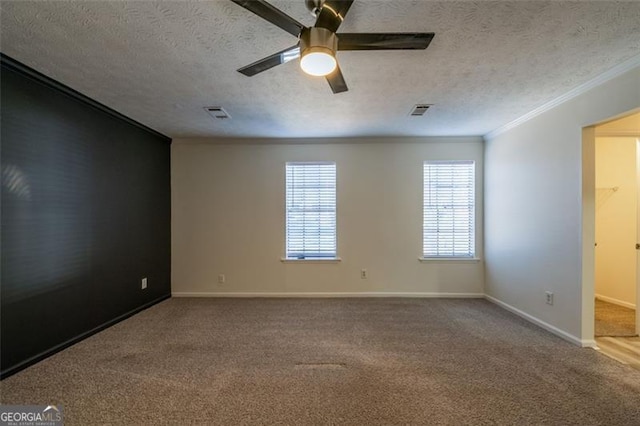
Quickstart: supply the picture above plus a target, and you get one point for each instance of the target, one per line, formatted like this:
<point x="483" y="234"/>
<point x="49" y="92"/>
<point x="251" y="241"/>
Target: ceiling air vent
<point x="419" y="110"/>
<point x="217" y="112"/>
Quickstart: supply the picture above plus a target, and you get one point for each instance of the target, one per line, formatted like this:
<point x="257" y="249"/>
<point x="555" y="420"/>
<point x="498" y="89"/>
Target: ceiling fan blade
<point x="273" y="15"/>
<point x="336" y="81"/>
<point x="383" y="41"/>
<point x="332" y="14"/>
<point x="271" y="61"/>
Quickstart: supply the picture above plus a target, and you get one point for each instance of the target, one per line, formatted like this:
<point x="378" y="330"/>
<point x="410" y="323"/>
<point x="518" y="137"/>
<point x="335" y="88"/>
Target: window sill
<point x="332" y="260"/>
<point x="450" y="259"/>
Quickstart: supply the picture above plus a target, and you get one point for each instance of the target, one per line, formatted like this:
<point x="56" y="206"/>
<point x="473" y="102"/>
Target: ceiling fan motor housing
<point x="316" y="39"/>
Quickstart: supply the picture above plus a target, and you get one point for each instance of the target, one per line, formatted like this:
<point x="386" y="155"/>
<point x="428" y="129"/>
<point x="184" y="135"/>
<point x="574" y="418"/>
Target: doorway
<point x="611" y="233"/>
<point x="616" y="230"/>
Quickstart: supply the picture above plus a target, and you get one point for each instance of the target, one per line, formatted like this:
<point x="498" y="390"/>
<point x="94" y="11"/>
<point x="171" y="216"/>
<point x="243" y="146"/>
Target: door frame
<point x="637" y="234"/>
<point x="588" y="228"/>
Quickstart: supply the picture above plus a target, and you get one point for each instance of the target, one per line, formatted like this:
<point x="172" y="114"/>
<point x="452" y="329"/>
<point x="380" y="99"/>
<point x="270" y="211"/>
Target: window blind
<point x="449" y="209"/>
<point x="311" y="210"/>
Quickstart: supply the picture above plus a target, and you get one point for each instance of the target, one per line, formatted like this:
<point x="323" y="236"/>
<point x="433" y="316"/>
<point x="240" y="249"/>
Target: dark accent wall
<point x="86" y="214"/>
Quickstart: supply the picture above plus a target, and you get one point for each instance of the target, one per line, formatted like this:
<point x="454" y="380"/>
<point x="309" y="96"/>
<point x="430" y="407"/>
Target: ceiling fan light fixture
<point x="318" y="51"/>
<point x="318" y="61"/>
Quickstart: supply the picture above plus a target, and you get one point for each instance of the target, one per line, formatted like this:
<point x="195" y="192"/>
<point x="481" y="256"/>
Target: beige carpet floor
<point x="614" y="320"/>
<point x="329" y="361"/>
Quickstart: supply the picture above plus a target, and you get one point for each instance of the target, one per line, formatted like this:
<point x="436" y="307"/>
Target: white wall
<point x="616" y="220"/>
<point x="228" y="218"/>
<point x="534" y="208"/>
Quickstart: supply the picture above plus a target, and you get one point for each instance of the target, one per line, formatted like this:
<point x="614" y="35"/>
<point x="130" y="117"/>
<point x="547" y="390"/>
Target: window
<point x="449" y="209"/>
<point x="311" y="210"/>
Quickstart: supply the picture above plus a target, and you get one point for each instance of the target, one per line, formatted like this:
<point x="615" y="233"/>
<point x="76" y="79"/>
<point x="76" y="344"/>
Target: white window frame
<point x="449" y="253"/>
<point x="303" y="256"/>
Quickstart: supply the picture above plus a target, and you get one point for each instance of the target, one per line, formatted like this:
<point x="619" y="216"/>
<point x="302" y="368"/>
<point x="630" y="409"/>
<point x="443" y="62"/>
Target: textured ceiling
<point x="160" y="63"/>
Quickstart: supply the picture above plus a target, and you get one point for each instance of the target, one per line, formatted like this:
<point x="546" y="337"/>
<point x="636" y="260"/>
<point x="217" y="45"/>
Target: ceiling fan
<point x="317" y="45"/>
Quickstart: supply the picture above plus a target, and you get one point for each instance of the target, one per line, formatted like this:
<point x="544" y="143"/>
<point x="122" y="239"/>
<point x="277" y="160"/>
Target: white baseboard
<point x="329" y="294"/>
<point x="550" y="328"/>
<point x="616" y="301"/>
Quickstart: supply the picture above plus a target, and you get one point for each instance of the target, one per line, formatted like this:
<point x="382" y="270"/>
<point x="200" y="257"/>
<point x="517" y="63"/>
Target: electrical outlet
<point x="222" y="279"/>
<point x="549" y="297"/>
<point x="144" y="283"/>
<point x="364" y="274"/>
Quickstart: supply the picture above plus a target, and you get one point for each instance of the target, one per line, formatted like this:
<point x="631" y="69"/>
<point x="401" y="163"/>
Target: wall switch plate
<point x="221" y="279"/>
<point x="144" y="283"/>
<point x="364" y="274"/>
<point x="548" y="297"/>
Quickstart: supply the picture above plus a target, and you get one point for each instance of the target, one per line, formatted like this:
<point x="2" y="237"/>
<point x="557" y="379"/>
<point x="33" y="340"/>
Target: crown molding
<point x="614" y="72"/>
